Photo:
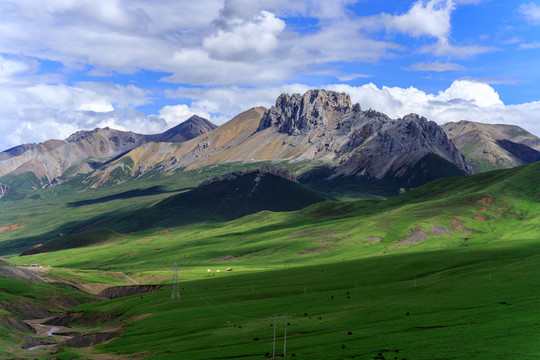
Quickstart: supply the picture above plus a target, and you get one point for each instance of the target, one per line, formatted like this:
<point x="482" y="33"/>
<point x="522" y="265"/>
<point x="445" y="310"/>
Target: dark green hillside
<point x="74" y="241"/>
<point x="247" y="194"/>
<point x="222" y="200"/>
<point x="219" y="201"/>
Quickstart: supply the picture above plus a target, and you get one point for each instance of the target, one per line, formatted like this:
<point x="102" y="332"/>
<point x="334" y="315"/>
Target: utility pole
<point x="175" y="292"/>
<point x="286" y="317"/>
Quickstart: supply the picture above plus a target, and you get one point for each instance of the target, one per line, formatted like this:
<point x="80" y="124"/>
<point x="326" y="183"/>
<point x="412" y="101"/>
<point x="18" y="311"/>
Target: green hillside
<point x="444" y="271"/>
<point x="216" y="202"/>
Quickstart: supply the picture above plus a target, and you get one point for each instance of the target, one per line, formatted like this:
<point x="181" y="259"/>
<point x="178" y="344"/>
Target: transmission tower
<point x="175" y="285"/>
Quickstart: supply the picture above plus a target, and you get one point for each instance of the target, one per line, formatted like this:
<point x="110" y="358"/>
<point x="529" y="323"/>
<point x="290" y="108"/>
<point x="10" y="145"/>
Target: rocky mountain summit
<point x="364" y="143"/>
<point x="316" y="130"/>
<point x="185" y="131"/>
<point x="319" y="128"/>
<point x="86" y="151"/>
<point x="297" y="113"/>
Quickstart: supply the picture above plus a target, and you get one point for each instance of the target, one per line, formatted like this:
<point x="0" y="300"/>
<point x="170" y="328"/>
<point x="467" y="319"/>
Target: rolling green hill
<point x="222" y="200"/>
<point x="444" y="271"/>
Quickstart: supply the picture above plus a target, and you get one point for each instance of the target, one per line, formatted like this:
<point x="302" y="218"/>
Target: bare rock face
<point x="121" y="291"/>
<point x="363" y="143"/>
<point x="53" y="183"/>
<point x="389" y="147"/>
<point x="3" y="190"/>
<point x="297" y="113"/>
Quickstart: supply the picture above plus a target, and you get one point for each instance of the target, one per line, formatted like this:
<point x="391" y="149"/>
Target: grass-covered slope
<point x="34" y="217"/>
<point x="487" y="208"/>
<point x="454" y="304"/>
<point x="444" y="271"/>
<point x="246" y="194"/>
<point x="20" y="301"/>
<point x="216" y="202"/>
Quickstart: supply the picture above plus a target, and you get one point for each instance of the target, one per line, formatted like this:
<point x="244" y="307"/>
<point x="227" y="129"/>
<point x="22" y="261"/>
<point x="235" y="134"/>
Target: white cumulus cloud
<point x="531" y="12"/>
<point x="430" y="18"/>
<point x="246" y="39"/>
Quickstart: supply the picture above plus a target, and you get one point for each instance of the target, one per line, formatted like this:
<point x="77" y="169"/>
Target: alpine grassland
<point x="445" y="271"/>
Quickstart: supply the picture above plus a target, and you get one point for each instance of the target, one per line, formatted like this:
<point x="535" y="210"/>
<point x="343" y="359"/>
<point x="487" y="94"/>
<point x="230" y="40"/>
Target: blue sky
<point x="146" y="66"/>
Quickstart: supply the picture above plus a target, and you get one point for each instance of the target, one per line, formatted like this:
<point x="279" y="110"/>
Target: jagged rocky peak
<point x="414" y="124"/>
<point x="295" y="113"/>
<point x="82" y="134"/>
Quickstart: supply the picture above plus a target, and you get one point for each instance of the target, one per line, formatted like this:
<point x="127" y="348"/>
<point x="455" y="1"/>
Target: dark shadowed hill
<point x="235" y="196"/>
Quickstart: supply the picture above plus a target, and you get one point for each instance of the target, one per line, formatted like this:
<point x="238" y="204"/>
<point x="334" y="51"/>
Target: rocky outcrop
<point x="319" y="129"/>
<point x="297" y="113"/>
<point x="365" y="143"/>
<point x="12" y="322"/>
<point x="53" y="183"/>
<point x="86" y="319"/>
<point x="90" y="339"/>
<point x="3" y="190"/>
<point x="265" y="169"/>
<point x="25" y="309"/>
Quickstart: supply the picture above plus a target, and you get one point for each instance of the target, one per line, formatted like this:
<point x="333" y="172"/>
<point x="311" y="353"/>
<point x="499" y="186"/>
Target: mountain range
<point x="325" y="130"/>
<point x="320" y="134"/>
<point x="86" y="151"/>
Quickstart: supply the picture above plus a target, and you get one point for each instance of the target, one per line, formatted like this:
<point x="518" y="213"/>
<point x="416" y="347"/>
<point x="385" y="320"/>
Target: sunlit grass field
<point x="446" y="271"/>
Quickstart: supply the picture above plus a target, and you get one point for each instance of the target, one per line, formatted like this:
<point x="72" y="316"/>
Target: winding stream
<point x="47" y="330"/>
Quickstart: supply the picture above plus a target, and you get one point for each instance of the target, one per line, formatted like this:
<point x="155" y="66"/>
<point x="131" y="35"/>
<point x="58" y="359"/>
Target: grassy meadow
<point x="445" y="271"/>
